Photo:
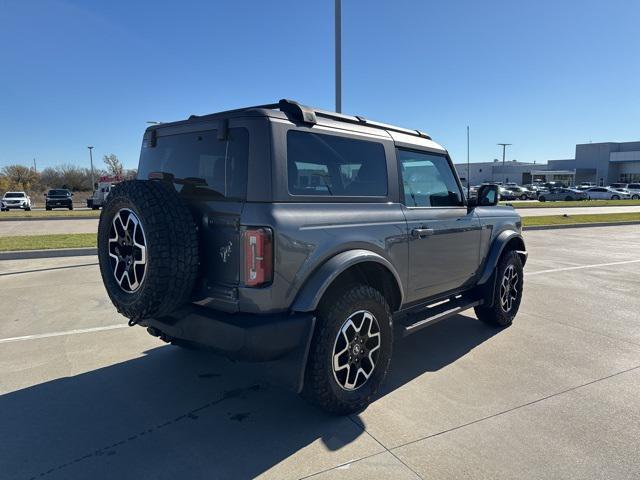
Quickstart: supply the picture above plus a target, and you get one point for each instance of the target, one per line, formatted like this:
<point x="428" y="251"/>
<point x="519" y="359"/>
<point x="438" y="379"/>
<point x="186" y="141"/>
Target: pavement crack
<point x="533" y="402"/>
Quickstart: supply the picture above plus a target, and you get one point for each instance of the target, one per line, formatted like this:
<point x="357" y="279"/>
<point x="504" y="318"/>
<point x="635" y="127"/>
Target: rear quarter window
<point x="329" y="165"/>
<point x="199" y="164"/>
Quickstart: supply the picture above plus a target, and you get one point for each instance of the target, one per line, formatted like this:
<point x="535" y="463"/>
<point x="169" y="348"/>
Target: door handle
<point x="421" y="232"/>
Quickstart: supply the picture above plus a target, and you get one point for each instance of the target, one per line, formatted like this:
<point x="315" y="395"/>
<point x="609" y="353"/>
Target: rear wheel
<point x="615" y="197"/>
<point x="542" y="198"/>
<point x="523" y="197"/>
<point x="635" y="197"/>
<point x="507" y="292"/>
<point x="350" y="351"/>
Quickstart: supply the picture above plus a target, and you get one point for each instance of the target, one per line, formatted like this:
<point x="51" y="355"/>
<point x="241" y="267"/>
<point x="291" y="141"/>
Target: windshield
<point x="58" y="193"/>
<point x="14" y="195"/>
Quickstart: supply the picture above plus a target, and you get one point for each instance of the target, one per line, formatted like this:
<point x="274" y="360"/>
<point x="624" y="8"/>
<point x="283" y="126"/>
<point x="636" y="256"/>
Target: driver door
<point x="444" y="239"/>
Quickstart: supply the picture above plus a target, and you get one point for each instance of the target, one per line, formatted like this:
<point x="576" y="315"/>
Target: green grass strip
<point x="43" y="214"/>
<point x="580" y="219"/>
<point x="47" y="242"/>
<point x="583" y="203"/>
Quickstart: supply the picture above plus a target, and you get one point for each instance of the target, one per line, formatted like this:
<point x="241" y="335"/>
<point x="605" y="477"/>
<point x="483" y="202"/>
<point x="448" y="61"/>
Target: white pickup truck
<point x="15" y="200"/>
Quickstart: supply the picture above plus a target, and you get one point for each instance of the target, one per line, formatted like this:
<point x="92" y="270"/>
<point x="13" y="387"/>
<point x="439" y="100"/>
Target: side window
<point x="427" y="180"/>
<point x="328" y="165"/>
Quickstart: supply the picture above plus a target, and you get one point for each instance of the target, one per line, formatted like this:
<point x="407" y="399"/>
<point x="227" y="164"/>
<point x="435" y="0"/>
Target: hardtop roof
<point x="298" y="113"/>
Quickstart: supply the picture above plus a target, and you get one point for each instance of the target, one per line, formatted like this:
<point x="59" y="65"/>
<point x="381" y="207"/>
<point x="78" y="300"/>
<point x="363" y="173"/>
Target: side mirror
<point x="488" y="195"/>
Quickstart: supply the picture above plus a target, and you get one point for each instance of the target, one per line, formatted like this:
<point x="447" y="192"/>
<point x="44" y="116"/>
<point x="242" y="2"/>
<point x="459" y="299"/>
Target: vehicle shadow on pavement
<point x="173" y="413"/>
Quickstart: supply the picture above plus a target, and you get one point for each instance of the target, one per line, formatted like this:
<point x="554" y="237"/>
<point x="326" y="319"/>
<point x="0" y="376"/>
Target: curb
<point x="35" y="219"/>
<point x="53" y="253"/>
<point x="580" y="225"/>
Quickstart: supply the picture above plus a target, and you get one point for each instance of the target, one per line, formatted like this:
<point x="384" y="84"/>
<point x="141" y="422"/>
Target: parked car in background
<point x="12" y="200"/>
<point x="554" y="184"/>
<point x="506" y="194"/>
<point x="606" y="193"/>
<point x="522" y="193"/>
<point x="634" y="189"/>
<point x="618" y="185"/>
<point x="562" y="194"/>
<point x="587" y="184"/>
<point x="58" y="198"/>
<point x="103" y="187"/>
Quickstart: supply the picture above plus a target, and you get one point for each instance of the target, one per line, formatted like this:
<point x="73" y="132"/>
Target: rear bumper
<point x="281" y="342"/>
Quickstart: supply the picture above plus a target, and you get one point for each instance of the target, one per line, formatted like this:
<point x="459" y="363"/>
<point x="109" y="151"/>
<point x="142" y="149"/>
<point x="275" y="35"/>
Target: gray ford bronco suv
<point x="304" y="240"/>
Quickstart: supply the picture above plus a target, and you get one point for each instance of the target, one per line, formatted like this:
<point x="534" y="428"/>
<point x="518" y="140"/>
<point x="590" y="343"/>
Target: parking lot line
<point x="59" y="334"/>
<point x="580" y="267"/>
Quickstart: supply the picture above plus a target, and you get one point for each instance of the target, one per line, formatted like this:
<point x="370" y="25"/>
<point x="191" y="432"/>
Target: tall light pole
<point x="468" y="165"/>
<point x="504" y="149"/>
<point x="338" y="54"/>
<point x="93" y="180"/>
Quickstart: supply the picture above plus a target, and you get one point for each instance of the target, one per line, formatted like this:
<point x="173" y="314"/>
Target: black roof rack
<point x="310" y="116"/>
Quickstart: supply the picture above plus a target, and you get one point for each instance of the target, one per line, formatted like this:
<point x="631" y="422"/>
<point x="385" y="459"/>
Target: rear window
<point x="199" y="164"/>
<point x="328" y="165"/>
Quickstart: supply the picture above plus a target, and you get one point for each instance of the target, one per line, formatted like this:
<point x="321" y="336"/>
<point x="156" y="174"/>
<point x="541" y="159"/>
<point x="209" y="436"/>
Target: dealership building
<point x="601" y="163"/>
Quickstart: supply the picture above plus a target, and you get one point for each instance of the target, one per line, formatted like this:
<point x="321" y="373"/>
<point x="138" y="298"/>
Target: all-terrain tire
<point x="171" y="249"/>
<point x="321" y="386"/>
<point x="497" y="314"/>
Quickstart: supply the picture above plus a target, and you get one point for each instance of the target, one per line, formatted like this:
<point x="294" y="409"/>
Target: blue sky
<point x="542" y="75"/>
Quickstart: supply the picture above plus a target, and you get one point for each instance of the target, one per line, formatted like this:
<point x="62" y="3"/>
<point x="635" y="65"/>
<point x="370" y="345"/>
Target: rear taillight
<point x="258" y="256"/>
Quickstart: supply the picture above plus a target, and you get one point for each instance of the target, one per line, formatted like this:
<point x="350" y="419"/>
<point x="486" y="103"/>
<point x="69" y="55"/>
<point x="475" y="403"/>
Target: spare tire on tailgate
<point x="147" y="249"/>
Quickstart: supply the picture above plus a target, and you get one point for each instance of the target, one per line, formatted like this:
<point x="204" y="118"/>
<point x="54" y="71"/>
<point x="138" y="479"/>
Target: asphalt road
<point x="553" y="396"/>
<point x="71" y="225"/>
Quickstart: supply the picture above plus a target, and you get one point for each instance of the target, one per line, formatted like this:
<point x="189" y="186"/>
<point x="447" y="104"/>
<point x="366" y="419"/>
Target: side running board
<point x="437" y="312"/>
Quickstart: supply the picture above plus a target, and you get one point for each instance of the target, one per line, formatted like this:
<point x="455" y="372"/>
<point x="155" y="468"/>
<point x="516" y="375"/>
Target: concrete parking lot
<point x="553" y="396"/>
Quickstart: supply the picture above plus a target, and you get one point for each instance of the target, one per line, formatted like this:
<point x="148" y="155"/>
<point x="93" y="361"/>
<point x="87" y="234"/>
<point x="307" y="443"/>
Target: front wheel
<point x="542" y="199"/>
<point x="615" y="197"/>
<point x="350" y="351"/>
<point x="507" y="292"/>
<point x="635" y="197"/>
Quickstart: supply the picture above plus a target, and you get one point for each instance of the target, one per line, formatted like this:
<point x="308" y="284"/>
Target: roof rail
<point x="310" y="115"/>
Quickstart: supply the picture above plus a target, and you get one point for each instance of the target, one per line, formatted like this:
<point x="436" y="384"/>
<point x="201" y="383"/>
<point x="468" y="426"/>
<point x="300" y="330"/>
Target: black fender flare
<point x="317" y="284"/>
<point x="503" y="239"/>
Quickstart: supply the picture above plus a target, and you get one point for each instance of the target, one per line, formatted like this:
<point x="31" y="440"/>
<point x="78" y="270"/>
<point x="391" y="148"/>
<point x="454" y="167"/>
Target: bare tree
<point x="114" y="165"/>
<point x="19" y="176"/>
<point x="67" y="176"/>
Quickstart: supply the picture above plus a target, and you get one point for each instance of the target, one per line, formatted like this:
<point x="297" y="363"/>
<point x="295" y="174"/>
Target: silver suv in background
<point x="15" y="200"/>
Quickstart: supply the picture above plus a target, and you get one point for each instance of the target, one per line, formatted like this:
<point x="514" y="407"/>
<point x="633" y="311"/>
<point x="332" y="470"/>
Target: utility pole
<point x="35" y="167"/>
<point x="338" y="54"/>
<point x="504" y="149"/>
<point x="93" y="180"/>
